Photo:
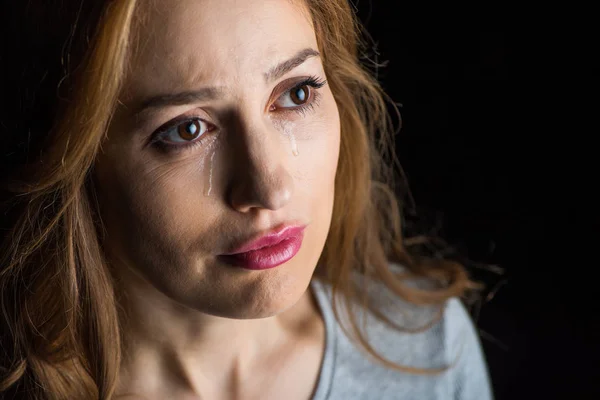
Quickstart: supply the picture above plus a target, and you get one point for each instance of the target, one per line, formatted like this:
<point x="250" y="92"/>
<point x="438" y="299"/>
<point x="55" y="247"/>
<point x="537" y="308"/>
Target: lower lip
<point x="267" y="257"/>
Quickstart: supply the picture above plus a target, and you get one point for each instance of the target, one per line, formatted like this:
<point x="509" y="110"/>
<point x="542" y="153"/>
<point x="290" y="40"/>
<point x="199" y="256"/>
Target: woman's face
<point x="226" y="130"/>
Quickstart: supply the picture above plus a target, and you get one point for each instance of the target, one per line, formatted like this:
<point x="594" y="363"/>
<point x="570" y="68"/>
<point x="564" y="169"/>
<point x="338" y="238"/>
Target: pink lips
<point x="268" y="251"/>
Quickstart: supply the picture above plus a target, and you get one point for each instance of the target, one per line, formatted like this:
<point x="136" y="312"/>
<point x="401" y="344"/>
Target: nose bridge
<point x="259" y="173"/>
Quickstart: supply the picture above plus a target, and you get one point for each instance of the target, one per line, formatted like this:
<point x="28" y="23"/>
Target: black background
<point x="501" y="184"/>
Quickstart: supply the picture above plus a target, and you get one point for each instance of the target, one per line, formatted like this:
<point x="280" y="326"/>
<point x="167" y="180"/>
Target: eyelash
<point x="312" y="81"/>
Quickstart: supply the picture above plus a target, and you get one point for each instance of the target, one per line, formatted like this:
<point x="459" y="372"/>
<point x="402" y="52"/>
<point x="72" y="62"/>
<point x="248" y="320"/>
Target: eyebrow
<point x="179" y="98"/>
<point x="283" y="68"/>
<point x="212" y="93"/>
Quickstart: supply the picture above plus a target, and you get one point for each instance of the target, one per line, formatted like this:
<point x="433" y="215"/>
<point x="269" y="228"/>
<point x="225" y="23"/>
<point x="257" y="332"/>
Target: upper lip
<point x="268" y="238"/>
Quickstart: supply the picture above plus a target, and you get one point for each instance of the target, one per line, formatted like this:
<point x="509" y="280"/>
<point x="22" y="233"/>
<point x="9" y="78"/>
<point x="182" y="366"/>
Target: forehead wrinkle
<point x="185" y="72"/>
<point x="166" y="50"/>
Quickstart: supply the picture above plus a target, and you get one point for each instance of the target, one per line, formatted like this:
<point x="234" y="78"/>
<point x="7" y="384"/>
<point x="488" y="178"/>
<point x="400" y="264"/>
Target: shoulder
<point x="464" y="353"/>
<point x="457" y="342"/>
<point x="431" y="338"/>
<point x="457" y="339"/>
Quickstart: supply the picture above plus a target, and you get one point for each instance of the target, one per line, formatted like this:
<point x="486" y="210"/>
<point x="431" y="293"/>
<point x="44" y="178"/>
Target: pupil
<point x="300" y="95"/>
<point x="192" y="128"/>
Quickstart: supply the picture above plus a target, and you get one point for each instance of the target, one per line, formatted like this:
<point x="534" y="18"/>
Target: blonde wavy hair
<point x="59" y="335"/>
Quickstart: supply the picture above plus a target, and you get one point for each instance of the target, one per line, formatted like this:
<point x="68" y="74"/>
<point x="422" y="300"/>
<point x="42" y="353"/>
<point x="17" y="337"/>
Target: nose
<point x="260" y="178"/>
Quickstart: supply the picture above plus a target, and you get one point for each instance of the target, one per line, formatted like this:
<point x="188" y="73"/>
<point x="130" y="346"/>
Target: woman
<point x="196" y="207"/>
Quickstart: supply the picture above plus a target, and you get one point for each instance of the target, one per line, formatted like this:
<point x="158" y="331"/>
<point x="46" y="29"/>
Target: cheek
<point x="319" y="145"/>
<point x="152" y="211"/>
<point x="316" y="166"/>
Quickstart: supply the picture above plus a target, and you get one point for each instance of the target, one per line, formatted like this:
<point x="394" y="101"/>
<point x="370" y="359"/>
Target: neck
<point x="165" y="341"/>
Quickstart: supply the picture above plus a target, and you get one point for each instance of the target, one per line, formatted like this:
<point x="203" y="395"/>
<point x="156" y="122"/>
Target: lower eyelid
<point x="176" y="149"/>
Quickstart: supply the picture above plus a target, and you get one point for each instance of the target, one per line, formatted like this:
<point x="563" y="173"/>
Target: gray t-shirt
<point x="347" y="373"/>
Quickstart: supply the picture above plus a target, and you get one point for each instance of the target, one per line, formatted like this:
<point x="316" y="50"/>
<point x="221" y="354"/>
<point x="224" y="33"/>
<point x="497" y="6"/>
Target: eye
<point x="185" y="131"/>
<point x="300" y="97"/>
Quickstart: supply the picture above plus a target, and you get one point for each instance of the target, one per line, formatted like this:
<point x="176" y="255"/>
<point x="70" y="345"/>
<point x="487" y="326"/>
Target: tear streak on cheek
<point x="288" y="128"/>
<point x="195" y="166"/>
<point x="210" y="174"/>
<point x="289" y="131"/>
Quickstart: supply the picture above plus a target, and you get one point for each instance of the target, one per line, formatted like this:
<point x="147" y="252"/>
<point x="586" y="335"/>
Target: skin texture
<point x="193" y="325"/>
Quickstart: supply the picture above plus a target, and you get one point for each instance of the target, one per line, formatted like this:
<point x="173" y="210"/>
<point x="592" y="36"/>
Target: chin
<point x="259" y="294"/>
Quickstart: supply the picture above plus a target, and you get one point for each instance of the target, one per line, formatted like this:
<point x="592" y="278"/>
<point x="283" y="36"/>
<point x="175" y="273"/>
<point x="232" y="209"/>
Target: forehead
<point x="192" y="42"/>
